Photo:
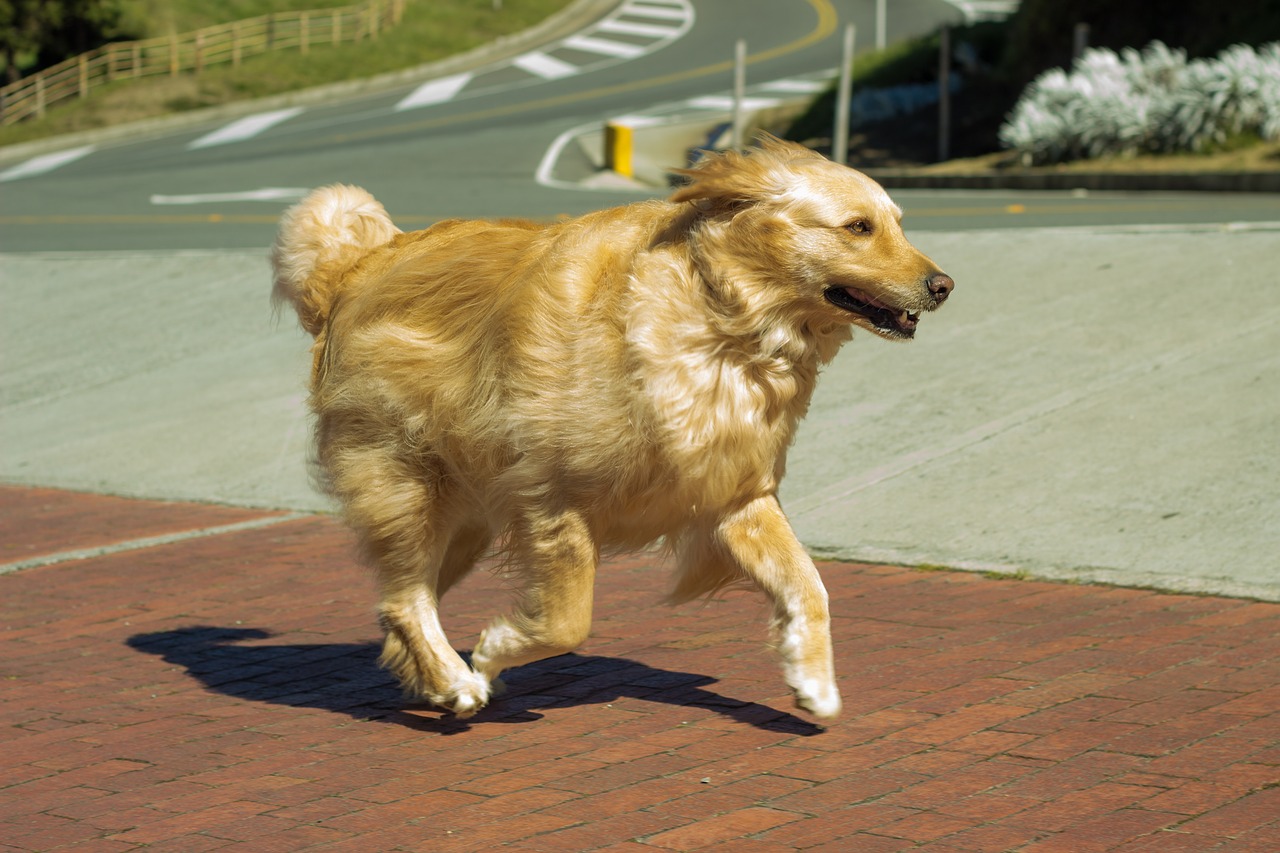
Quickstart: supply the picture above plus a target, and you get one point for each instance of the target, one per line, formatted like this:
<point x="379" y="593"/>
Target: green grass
<point x="429" y="30"/>
<point x="181" y="16"/>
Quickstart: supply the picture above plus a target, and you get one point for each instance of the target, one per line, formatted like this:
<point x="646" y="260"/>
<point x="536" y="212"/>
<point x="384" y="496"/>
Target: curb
<point x="572" y="17"/>
<point x="1225" y="182"/>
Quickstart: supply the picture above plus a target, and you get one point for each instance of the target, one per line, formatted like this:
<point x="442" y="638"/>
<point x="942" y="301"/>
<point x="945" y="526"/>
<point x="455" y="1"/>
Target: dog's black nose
<point x="940" y="285"/>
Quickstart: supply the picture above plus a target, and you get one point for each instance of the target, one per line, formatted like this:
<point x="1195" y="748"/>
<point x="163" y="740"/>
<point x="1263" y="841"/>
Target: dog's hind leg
<point x="555" y="561"/>
<point x="757" y="543"/>
<point x="418" y="550"/>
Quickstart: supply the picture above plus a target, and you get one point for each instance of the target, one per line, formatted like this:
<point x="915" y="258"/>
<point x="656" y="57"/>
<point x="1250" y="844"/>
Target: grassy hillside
<point x="430" y="30"/>
<point x="164" y="16"/>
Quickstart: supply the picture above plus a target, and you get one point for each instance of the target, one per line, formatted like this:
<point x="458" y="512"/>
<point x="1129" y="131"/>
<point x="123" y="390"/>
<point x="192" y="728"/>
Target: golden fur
<point x="633" y="374"/>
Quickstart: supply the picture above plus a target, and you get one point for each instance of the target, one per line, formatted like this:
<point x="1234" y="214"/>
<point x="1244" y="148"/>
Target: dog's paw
<point x="467" y="696"/>
<point x="818" y="698"/>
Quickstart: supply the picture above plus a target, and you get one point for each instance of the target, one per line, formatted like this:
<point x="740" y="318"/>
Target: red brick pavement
<point x="221" y="691"/>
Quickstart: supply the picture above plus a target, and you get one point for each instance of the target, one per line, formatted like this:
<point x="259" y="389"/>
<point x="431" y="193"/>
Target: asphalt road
<point x="1097" y="402"/>
<point x="474" y="143"/>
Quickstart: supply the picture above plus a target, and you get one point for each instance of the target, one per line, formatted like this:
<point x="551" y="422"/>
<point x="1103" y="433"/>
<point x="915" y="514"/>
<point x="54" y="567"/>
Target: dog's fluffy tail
<point x="318" y="238"/>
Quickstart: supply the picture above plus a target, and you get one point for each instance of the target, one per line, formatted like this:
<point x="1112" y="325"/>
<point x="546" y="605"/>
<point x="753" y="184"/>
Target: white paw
<point x="497" y="643"/>
<point x="468" y="695"/>
<point x="822" y="699"/>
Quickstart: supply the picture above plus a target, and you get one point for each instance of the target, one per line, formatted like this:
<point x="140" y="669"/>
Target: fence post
<point x="136" y="59"/>
<point x="173" y="54"/>
<point x="199" y="57"/>
<point x="271" y="30"/>
<point x="83" y="67"/>
<point x="39" y="96"/>
<point x="337" y="27"/>
<point x="302" y="34"/>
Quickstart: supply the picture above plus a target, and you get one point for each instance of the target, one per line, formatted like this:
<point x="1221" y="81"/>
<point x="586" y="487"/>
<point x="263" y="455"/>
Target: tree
<point x="22" y="23"/>
<point x="35" y="34"/>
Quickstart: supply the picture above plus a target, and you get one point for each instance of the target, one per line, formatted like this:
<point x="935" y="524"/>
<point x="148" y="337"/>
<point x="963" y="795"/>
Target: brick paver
<point x="222" y="691"/>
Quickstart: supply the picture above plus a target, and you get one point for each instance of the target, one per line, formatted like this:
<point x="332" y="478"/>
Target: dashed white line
<point x="264" y="194"/>
<point x="45" y="163"/>
<point x="547" y="67"/>
<point x="796" y="86"/>
<point x="435" y="92"/>
<point x="245" y="128"/>
<point x="725" y="102"/>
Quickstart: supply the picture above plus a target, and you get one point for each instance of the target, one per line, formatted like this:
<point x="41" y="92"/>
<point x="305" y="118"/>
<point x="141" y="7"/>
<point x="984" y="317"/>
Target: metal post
<point x="881" y="24"/>
<point x="739" y="92"/>
<point x="944" y="96"/>
<point x="844" y="93"/>
<point x="1080" y="41"/>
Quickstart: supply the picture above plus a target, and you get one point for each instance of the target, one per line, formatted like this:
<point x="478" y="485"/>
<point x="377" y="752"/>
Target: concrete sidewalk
<point x="1093" y="404"/>
<point x="204" y="678"/>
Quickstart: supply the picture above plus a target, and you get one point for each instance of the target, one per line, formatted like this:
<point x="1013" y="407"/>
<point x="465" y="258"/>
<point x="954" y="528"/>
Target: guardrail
<point x="194" y="51"/>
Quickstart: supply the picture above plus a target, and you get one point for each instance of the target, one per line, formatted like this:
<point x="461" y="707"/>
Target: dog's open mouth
<point x="892" y="321"/>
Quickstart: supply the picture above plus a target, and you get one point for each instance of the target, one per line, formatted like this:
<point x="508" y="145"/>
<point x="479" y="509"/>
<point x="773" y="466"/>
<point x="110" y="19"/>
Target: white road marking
<point x="725" y="102"/>
<point x="644" y="10"/>
<point x="264" y="194"/>
<point x="545" y="173"/>
<point x="590" y="44"/>
<point x="985" y="10"/>
<point x="435" y="92"/>
<point x="629" y="28"/>
<point x="799" y="87"/>
<point x="44" y="163"/>
<point x="541" y="65"/>
<point x="245" y="128"/>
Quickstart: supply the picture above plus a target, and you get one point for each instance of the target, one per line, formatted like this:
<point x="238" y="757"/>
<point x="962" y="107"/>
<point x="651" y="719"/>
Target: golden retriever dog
<point x="558" y="390"/>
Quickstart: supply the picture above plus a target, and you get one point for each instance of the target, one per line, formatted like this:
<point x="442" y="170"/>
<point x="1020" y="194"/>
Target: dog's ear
<point x="726" y="181"/>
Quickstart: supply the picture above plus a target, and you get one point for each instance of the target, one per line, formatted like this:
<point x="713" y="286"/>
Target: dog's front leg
<point x="759" y="539"/>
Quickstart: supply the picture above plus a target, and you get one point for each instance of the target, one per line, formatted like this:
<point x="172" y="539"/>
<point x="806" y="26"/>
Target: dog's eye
<point x="859" y="226"/>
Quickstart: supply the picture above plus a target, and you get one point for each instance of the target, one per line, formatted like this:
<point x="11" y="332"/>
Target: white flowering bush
<point x="1153" y="100"/>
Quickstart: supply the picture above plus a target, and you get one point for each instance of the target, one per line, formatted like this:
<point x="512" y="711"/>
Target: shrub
<point x="1153" y="101"/>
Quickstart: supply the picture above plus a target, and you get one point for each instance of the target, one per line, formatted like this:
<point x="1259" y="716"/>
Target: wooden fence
<point x="76" y="77"/>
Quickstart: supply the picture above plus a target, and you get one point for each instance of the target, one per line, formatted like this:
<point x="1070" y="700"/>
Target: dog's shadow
<point x="345" y="678"/>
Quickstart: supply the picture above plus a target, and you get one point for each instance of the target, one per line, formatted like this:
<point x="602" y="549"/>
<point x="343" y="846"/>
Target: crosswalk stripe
<point x="604" y="46"/>
<point x="541" y="65"/>
<point x="435" y="92"/>
<point x="643" y="10"/>
<point x="245" y="128"/>
<point x="44" y="163"/>
<point x="630" y="28"/>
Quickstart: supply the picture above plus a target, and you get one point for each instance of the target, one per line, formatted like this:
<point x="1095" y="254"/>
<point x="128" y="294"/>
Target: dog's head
<point x="820" y="237"/>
